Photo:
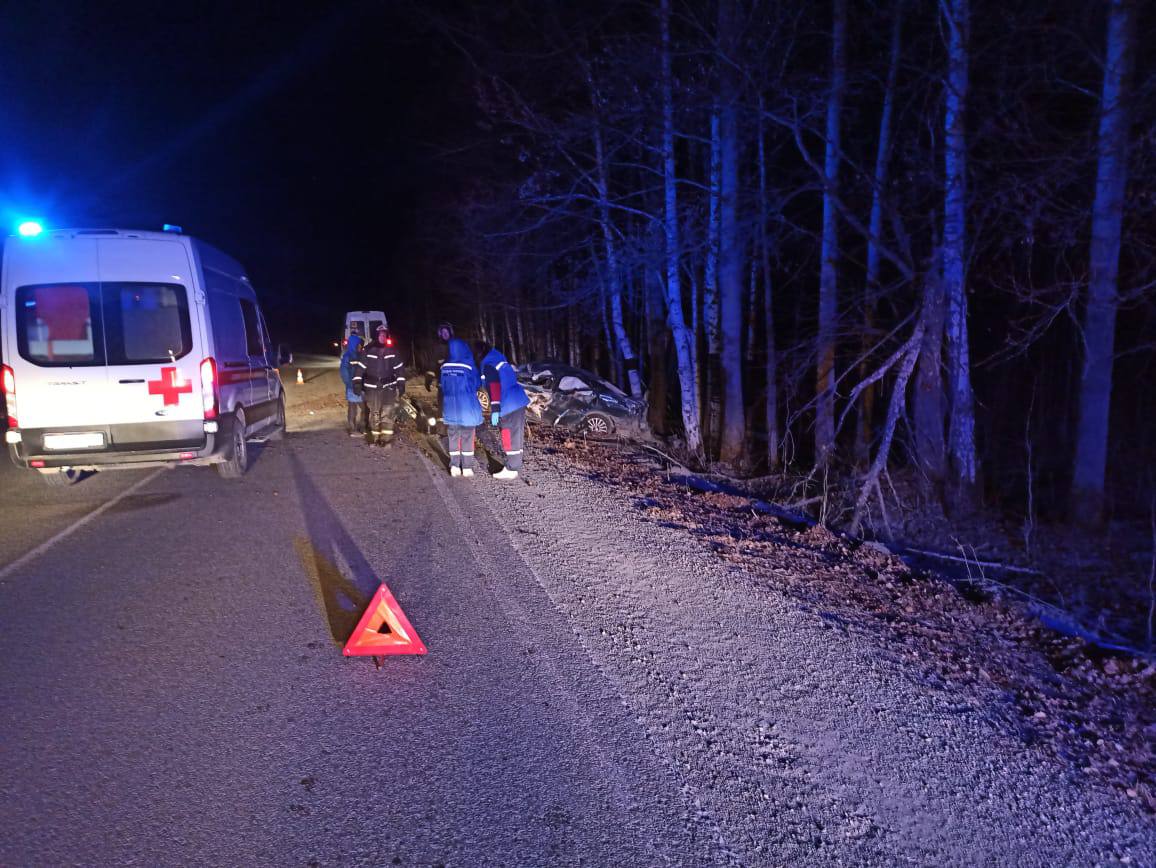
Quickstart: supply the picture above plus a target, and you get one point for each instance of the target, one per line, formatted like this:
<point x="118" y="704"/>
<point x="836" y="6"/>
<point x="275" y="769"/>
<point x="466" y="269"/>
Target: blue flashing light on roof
<point x="172" y="227"/>
<point x="30" y="228"/>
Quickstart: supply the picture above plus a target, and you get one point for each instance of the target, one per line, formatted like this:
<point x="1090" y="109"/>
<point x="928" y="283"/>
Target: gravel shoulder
<point x="797" y="739"/>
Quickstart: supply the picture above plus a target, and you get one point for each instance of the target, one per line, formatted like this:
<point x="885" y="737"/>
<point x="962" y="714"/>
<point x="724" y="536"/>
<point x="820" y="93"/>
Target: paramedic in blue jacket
<point x="461" y="411"/>
<point x="508" y="403"/>
<point x="352" y="369"/>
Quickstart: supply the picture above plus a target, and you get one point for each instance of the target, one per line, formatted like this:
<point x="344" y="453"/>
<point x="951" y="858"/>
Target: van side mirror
<point x="284" y="355"/>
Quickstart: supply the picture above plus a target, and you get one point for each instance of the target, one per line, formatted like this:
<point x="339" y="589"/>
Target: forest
<point x="846" y="243"/>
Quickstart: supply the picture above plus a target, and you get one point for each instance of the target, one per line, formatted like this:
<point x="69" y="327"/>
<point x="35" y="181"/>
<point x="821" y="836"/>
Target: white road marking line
<point x="76" y="525"/>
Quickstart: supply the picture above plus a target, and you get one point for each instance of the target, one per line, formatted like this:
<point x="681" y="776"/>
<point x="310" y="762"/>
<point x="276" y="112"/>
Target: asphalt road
<point x="172" y="689"/>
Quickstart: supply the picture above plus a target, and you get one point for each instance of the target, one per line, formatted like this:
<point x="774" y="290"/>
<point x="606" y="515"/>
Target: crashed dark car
<point x="564" y="396"/>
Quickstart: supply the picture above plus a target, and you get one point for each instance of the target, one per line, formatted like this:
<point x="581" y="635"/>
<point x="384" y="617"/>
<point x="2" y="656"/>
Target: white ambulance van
<point x="123" y="349"/>
<point x="366" y="323"/>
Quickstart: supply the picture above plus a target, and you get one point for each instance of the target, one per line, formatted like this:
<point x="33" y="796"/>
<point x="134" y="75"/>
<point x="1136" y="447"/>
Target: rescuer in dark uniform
<point x="383" y="382"/>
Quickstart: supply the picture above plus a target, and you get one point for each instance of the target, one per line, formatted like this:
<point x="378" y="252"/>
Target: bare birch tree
<point x="675" y="318"/>
<point x="961" y="430"/>
<point x="1087" y="502"/>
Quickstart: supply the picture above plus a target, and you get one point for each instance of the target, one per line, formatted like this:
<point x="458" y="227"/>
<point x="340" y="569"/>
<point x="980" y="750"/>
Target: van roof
<point x="211" y="257"/>
<point x="93" y="231"/>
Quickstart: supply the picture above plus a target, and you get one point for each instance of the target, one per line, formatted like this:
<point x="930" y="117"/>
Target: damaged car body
<point x="569" y="397"/>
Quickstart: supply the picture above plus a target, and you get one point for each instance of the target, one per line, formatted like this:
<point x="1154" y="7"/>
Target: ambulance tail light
<point x="8" y="391"/>
<point x="209" y="387"/>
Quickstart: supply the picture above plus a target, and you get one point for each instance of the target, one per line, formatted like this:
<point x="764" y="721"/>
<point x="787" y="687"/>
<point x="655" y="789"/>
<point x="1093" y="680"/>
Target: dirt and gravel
<point x="819" y="702"/>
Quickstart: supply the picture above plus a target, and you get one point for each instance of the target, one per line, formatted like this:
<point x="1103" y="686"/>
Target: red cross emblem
<point x="170" y="386"/>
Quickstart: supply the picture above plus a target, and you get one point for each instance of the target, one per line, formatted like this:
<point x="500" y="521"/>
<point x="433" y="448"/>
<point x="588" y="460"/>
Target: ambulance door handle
<point x="132" y="381"/>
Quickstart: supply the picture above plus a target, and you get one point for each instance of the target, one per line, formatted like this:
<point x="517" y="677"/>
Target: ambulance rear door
<point x="153" y="314"/>
<point x="55" y="340"/>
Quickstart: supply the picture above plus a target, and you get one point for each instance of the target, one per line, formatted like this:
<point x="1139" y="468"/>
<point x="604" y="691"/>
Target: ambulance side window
<point x="252" y="329"/>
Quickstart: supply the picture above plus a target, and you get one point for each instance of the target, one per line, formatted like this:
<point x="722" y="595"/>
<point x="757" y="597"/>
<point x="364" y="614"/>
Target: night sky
<point x="300" y="138"/>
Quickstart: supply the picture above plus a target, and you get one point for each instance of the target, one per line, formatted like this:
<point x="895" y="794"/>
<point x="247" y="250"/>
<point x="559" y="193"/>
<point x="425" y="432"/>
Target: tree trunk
<point x="1091" y="459"/>
<point x="510" y="351"/>
<point x="615" y="366"/>
<point x="864" y="420"/>
<point x="519" y="353"/>
<point x="895" y="411"/>
<point x="828" y="278"/>
<point x="683" y="339"/>
<point x="613" y="269"/>
<point x="572" y="338"/>
<point x="962" y="479"/>
<point x="750" y="318"/>
<point x="930" y="402"/>
<point x="710" y="377"/>
<point x="771" y="368"/>
<point x="658" y="394"/>
<point x="730" y="259"/>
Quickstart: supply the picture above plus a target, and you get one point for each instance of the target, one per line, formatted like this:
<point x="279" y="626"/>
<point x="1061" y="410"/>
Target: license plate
<point x="79" y="440"/>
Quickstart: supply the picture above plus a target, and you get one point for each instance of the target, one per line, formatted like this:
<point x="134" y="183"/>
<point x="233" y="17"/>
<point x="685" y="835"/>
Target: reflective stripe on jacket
<point x="382" y="368"/>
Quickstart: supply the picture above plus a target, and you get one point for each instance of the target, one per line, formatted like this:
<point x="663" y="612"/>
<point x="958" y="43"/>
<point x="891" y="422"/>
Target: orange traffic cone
<point x="300" y="379"/>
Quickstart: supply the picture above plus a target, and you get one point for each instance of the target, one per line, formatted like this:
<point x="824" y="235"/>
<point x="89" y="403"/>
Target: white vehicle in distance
<point x="366" y="323"/>
<point x="125" y="349"/>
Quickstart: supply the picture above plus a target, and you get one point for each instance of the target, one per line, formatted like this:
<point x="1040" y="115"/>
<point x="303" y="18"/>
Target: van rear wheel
<point x="60" y="478"/>
<point x="237" y="463"/>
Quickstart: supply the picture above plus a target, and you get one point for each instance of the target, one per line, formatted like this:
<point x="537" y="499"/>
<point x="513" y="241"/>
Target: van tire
<point x="237" y="463"/>
<point x="277" y="431"/>
<point x="61" y="478"/>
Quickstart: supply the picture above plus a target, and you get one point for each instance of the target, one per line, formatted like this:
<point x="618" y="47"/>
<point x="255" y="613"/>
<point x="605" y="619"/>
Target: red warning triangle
<point x="368" y="638"/>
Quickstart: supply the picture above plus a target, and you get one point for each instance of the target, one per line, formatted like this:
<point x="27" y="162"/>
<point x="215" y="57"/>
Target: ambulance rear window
<point x="85" y="324"/>
<point x="59" y="324"/>
<point x="145" y="322"/>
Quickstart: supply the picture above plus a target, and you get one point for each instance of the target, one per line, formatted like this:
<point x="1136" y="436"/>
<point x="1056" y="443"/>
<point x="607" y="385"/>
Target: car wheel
<point x="596" y="425"/>
<point x="237" y="463"/>
<point x="60" y="478"/>
<point x="277" y="431"/>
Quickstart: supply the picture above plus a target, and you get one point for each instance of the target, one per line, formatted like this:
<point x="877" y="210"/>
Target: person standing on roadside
<point x="508" y="404"/>
<point x="461" y="410"/>
<point x="352" y="373"/>
<point x="384" y="384"/>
